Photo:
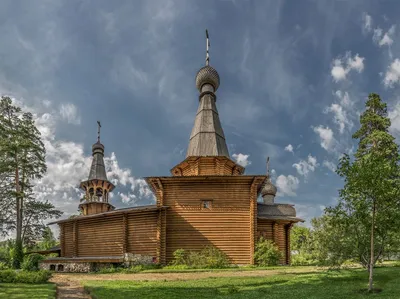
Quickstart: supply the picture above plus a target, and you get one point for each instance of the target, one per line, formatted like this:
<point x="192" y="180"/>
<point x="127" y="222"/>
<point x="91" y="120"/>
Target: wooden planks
<point x="226" y="225"/>
<point x="142" y="238"/>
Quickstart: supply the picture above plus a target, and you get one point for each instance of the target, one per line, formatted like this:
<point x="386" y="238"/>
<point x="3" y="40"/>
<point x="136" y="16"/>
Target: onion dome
<point x="207" y="75"/>
<point x="269" y="189"/>
<point x="97" y="148"/>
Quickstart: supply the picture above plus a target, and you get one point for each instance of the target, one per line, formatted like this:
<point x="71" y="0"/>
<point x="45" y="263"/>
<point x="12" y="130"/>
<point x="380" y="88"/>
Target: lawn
<point x="31" y="291"/>
<point x="328" y="284"/>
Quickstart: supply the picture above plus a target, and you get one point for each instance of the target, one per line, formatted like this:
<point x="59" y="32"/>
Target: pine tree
<point x="22" y="161"/>
<point x="369" y="202"/>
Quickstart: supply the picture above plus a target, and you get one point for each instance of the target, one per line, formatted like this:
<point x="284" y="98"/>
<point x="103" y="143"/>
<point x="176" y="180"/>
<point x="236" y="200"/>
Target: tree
<point x="22" y="161"/>
<point x="368" y="207"/>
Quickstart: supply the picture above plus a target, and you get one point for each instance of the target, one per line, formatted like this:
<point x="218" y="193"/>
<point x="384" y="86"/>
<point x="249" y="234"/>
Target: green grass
<point x="31" y="291"/>
<point x="327" y="285"/>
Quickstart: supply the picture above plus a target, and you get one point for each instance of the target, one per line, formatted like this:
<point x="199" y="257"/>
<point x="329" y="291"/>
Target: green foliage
<point x="22" y="161"/>
<point x="17" y="255"/>
<point x="4" y="266"/>
<point x="12" y="276"/>
<point x="303" y="259"/>
<point x="132" y="269"/>
<point x="31" y="262"/>
<point x="210" y="257"/>
<point x="266" y="253"/>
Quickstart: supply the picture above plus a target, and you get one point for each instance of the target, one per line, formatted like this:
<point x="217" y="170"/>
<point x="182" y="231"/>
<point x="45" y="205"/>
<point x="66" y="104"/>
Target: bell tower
<point x="97" y="187"/>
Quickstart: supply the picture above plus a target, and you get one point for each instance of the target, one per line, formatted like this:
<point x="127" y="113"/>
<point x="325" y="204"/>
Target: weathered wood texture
<point x="111" y="235"/>
<point x="225" y="225"/>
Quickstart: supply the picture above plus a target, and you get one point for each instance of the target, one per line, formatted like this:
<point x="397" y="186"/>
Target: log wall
<point x="111" y="235"/>
<point x="225" y="225"/>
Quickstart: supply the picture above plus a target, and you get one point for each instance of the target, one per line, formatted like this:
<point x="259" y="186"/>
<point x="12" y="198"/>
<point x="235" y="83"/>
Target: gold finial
<point x="98" y="131"/>
<point x="267" y="165"/>
<point x="207" y="46"/>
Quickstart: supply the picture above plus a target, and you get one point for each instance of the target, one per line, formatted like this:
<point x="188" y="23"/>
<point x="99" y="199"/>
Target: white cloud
<point x="328" y="141"/>
<point x="340" y="117"/>
<point x="394" y="116"/>
<point x="287" y="185"/>
<point x="330" y="165"/>
<point x="367" y="19"/>
<point x="305" y="167"/>
<point x="392" y="75"/>
<point x="289" y="148"/>
<point x="67" y="166"/>
<point x="342" y="66"/>
<point x="241" y="159"/>
<point x="344" y="98"/>
<point x="384" y="39"/>
<point x="69" y="112"/>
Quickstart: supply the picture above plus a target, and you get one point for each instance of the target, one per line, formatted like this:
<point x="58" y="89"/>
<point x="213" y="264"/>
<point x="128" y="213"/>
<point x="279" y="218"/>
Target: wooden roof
<point x="207" y="138"/>
<point x="114" y="212"/>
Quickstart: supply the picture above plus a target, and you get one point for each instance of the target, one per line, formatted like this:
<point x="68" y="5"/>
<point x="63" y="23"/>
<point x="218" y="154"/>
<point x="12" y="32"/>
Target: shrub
<point x="267" y="253"/>
<point x="17" y="255"/>
<point x="31" y="262"/>
<point x="36" y="277"/>
<point x="8" y="276"/>
<point x="12" y="276"/>
<point x="209" y="257"/>
<point x="302" y="259"/>
<point x="4" y="266"/>
<point x="214" y="258"/>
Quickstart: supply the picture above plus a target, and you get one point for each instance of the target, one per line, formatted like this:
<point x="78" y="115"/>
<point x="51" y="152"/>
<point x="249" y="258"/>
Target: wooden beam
<point x="62" y="240"/>
<point x="125" y="233"/>
<point x="75" y="238"/>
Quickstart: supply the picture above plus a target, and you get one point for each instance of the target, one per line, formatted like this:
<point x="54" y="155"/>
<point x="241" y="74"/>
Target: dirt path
<point x="68" y="288"/>
<point x="173" y="276"/>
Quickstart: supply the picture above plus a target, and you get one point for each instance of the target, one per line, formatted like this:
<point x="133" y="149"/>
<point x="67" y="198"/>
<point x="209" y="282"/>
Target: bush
<point x="31" y="262"/>
<point x="209" y="257"/>
<point x="267" y="253"/>
<point x="12" y="276"/>
<point x="17" y="255"/>
<point x="4" y="266"/>
<point x="302" y="259"/>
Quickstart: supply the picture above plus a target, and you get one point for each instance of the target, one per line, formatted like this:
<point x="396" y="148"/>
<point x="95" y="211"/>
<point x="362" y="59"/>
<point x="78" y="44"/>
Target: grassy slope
<point x="330" y="284"/>
<point x="31" y="291"/>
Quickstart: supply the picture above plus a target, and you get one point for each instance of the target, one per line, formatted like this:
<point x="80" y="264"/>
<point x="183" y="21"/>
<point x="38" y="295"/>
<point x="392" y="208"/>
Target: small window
<point x="206" y="204"/>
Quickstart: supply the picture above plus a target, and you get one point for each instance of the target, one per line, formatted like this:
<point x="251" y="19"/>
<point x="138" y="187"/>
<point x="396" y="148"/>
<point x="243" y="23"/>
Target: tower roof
<point x="98" y="170"/>
<point x="207" y="138"/>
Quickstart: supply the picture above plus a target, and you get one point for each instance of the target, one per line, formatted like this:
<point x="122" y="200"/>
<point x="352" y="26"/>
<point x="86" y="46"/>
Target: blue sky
<point x="294" y="78"/>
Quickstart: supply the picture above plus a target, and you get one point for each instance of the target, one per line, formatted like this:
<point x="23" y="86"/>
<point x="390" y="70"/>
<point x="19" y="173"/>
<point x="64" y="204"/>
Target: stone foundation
<point x="131" y="259"/>
<point x="64" y="265"/>
<point x="67" y="267"/>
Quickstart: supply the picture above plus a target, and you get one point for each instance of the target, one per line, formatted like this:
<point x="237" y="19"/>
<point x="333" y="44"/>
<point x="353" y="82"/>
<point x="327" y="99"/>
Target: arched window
<point x="99" y="193"/>
<point x="105" y="195"/>
<point x="91" y="192"/>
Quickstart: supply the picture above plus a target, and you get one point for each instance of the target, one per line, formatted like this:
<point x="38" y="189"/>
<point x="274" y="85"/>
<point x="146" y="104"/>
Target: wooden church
<point x="207" y="200"/>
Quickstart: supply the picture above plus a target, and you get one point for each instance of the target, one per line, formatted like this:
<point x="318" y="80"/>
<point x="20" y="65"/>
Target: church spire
<point x="207" y="138"/>
<point x="98" y="170"/>
<point x="97" y="187"/>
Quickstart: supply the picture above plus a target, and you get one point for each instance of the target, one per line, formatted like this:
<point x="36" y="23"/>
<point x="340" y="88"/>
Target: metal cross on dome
<point x="98" y="131"/>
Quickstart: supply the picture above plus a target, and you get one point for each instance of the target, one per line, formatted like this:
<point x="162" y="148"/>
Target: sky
<point x="294" y="79"/>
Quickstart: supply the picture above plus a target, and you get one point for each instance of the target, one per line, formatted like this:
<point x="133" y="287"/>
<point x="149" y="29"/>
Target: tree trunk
<point x="18" y="200"/>
<point x="371" y="263"/>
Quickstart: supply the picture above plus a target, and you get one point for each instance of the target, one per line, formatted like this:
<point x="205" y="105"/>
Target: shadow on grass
<point x="344" y="284"/>
<point x="34" y="291"/>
